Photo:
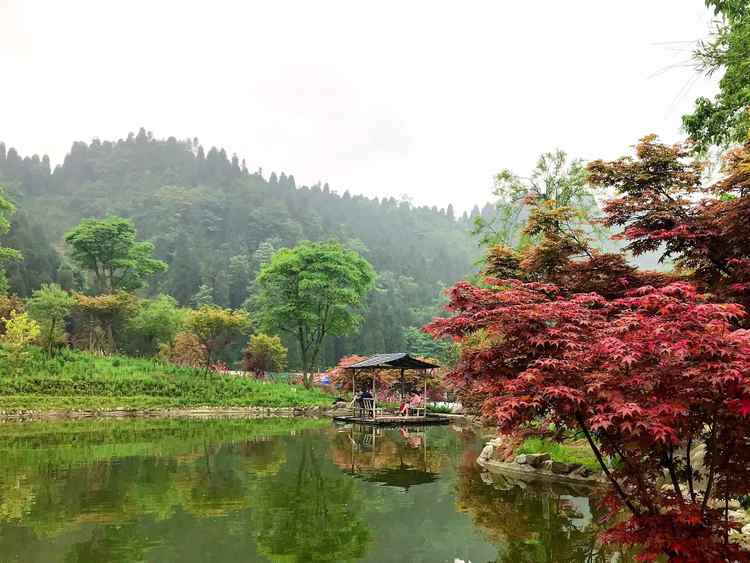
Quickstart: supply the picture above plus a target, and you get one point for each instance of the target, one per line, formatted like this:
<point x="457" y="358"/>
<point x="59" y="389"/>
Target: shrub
<point x="264" y="353"/>
<point x="20" y="332"/>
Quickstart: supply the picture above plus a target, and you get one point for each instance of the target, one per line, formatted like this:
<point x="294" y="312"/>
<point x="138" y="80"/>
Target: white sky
<point x="428" y="99"/>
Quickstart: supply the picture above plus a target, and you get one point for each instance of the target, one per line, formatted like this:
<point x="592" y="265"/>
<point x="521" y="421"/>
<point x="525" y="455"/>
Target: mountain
<point x="215" y="223"/>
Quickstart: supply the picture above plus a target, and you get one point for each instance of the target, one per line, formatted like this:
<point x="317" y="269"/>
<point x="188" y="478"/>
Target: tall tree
<point x="313" y="291"/>
<point x="555" y="180"/>
<point x="646" y="368"/>
<point x="725" y="119"/>
<point x="109" y="250"/>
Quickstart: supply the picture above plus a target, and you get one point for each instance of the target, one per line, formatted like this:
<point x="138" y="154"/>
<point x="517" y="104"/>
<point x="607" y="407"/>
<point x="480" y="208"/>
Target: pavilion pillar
<point x="402" y="386"/>
<point x="354" y="392"/>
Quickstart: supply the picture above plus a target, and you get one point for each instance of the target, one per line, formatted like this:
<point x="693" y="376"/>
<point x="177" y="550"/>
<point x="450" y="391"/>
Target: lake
<point x="286" y="490"/>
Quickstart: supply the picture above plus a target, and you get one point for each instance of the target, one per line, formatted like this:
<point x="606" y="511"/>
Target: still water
<point x="283" y="490"/>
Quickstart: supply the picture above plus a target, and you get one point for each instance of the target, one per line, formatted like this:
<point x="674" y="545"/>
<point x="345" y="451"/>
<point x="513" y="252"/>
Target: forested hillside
<point x="215" y="223"/>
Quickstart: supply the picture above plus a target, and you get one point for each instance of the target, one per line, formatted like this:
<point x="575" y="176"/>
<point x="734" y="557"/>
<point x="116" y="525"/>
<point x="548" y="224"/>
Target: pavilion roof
<point x="400" y="360"/>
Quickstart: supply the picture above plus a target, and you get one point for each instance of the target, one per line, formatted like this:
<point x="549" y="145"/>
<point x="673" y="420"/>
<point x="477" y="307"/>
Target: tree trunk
<point x="51" y="337"/>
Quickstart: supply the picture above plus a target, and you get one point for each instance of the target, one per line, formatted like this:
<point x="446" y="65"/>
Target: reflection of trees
<point x="531" y="522"/>
<point x="314" y="516"/>
<point x="119" y="473"/>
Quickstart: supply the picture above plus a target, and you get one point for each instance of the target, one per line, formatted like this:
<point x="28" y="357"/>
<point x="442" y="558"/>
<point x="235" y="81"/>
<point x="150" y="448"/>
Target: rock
<point x="487" y="452"/>
<point x="521" y="459"/>
<point x="486" y="478"/>
<point x="559" y="468"/>
<point x="535" y="460"/>
<point x="582" y="472"/>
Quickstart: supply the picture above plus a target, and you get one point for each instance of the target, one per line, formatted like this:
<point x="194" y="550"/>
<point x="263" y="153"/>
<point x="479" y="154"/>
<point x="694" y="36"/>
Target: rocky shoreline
<point x="537" y="467"/>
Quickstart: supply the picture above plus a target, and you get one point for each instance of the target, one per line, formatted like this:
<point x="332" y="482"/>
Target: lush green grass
<point x="76" y="380"/>
<point x="572" y="452"/>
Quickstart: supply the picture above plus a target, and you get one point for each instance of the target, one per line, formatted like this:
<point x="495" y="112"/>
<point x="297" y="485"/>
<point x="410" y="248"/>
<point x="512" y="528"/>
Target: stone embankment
<point x="194" y="412"/>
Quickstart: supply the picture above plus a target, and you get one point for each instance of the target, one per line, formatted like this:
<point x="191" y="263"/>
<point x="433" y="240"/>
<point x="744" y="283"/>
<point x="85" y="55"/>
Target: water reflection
<point x="273" y="490"/>
<point x="381" y="456"/>
<point x="534" y="521"/>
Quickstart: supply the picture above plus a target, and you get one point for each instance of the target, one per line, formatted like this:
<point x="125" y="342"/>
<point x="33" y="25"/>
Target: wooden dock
<point x="395" y="420"/>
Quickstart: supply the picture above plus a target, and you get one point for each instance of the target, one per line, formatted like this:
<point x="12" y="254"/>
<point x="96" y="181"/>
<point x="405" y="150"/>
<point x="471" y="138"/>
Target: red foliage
<point x="643" y="376"/>
<point x="186" y="351"/>
<point x="340" y="376"/>
<point x="663" y="207"/>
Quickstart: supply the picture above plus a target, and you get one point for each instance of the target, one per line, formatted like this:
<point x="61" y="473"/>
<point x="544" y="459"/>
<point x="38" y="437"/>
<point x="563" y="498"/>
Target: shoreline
<point x="165" y="412"/>
<point x="20" y="415"/>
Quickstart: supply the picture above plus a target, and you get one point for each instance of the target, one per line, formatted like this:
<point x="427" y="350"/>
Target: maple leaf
<point x="744" y="406"/>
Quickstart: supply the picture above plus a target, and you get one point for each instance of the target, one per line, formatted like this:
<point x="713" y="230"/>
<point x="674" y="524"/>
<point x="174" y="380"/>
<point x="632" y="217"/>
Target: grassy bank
<point x="569" y="452"/>
<point x="76" y="380"/>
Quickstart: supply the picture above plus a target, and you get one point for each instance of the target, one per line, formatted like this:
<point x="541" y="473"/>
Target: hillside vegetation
<point x="215" y="224"/>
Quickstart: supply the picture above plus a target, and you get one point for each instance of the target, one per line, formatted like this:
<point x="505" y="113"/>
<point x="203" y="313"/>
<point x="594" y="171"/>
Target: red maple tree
<point x="662" y="206"/>
<point x="649" y="367"/>
<point x="645" y="378"/>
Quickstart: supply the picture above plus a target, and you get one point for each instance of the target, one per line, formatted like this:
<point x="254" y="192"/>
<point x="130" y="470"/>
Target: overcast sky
<point x="428" y="99"/>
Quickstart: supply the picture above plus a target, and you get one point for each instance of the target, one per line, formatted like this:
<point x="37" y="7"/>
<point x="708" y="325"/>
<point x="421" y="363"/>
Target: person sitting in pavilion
<point x="413" y="402"/>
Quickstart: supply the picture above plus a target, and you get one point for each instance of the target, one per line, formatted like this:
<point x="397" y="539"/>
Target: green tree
<point x="264" y="353"/>
<point x="313" y="291"/>
<point x="204" y="296"/>
<point x="20" y="332"/>
<point x="40" y="261"/>
<point x="422" y="344"/>
<point x="725" y="119"/>
<point x="215" y="328"/>
<point x="238" y="278"/>
<point x="184" y="271"/>
<point x="554" y="179"/>
<point x="49" y="306"/>
<point x="109" y="250"/>
<point x="6" y="254"/>
<point x="157" y="322"/>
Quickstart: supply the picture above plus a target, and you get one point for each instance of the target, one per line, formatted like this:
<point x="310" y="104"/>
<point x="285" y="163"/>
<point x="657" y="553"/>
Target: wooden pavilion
<point x="368" y="412"/>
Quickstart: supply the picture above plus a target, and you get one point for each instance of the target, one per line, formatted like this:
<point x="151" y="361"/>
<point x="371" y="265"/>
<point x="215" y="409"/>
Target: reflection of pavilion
<point x="389" y="457"/>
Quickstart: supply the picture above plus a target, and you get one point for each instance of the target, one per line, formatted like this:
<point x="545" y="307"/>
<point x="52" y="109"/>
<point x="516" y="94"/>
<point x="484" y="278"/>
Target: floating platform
<point x="395" y="420"/>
